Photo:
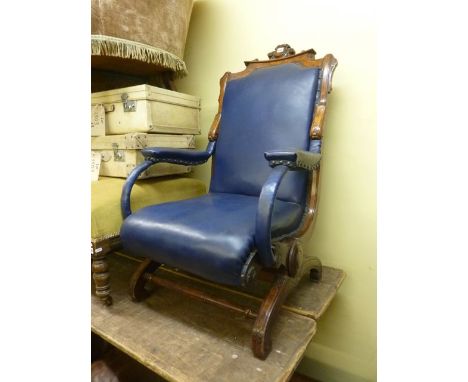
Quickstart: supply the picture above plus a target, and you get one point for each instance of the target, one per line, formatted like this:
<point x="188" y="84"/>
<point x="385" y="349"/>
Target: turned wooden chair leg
<point x="271" y="305"/>
<point x="137" y="289"/>
<point x="100" y="269"/>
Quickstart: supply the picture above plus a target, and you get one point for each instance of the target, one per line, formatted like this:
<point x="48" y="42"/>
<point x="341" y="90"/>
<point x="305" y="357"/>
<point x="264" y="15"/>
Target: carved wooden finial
<point x="282" y="50"/>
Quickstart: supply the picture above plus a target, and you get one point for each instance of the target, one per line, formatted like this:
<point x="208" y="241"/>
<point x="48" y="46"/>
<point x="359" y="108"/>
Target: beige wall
<point x="225" y="32"/>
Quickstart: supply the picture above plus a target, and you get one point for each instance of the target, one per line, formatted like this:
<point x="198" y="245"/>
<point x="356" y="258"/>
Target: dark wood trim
<point x="138" y="280"/>
<point x="282" y="50"/>
<point x="264" y="319"/>
<point x="213" y="133"/>
<point x="199" y="295"/>
<point x="306" y="54"/>
<point x="271" y="305"/>
<point x="311" y="209"/>
<point x="306" y="58"/>
<point x="101" y="277"/>
<point x="106" y="245"/>
<point x="100" y="268"/>
<point x="328" y="66"/>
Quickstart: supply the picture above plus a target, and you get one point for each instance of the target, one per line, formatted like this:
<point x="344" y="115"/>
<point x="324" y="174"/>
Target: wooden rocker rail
<point x="194" y="342"/>
<point x="264" y="318"/>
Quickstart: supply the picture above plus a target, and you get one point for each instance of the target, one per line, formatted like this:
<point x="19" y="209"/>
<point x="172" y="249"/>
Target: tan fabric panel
<point x="151" y="31"/>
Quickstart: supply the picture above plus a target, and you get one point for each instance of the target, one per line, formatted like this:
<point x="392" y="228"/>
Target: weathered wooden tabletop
<point x="184" y="340"/>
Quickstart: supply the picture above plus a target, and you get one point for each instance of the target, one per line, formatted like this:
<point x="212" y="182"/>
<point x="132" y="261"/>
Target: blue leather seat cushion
<point x="210" y="236"/>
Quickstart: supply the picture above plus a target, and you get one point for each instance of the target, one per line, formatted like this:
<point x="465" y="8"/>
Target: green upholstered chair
<point x="106" y="217"/>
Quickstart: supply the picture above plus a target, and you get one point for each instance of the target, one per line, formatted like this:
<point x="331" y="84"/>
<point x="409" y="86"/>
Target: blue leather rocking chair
<point x="265" y="143"/>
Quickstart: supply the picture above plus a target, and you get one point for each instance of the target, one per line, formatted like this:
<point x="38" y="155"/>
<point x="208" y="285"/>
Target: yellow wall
<point x="225" y="32"/>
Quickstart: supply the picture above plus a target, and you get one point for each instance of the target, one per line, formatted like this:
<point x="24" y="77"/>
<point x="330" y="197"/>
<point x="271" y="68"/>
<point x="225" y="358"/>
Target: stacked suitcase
<point x="126" y="120"/>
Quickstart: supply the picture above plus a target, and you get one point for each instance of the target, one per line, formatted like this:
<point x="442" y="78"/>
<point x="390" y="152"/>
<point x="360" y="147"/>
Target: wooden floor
<point x="187" y="341"/>
<point x="109" y="364"/>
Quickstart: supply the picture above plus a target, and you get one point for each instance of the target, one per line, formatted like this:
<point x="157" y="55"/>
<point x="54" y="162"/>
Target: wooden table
<point x="184" y="340"/>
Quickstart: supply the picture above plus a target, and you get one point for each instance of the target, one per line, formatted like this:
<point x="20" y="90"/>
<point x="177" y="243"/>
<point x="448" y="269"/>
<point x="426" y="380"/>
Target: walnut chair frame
<point x="288" y="264"/>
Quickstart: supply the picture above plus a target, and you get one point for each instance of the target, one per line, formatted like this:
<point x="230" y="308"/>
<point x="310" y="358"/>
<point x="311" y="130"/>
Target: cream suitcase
<point x="148" y="109"/>
<point x="121" y="153"/>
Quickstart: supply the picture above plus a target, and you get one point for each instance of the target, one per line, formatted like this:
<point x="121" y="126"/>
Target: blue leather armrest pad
<point x="289" y="156"/>
<point x="299" y="159"/>
<point x="182" y="156"/>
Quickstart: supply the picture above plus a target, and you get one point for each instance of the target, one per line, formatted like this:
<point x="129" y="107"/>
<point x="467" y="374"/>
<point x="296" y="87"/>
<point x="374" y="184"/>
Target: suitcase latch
<point x="119" y="155"/>
<point x="128" y="105"/>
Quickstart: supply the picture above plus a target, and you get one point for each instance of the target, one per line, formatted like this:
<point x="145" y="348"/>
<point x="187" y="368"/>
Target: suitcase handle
<point x="106" y="156"/>
<point x="109" y="108"/>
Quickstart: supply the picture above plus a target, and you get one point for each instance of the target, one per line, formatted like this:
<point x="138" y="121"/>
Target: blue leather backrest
<point x="270" y="109"/>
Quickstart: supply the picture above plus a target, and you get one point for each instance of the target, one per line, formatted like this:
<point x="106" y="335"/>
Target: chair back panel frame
<point x="327" y="64"/>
